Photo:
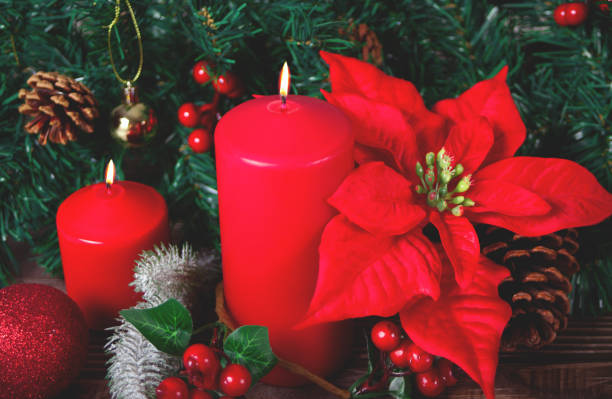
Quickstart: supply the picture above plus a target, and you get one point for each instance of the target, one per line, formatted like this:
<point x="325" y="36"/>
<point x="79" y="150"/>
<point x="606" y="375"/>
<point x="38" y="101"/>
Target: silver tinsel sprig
<point x="136" y="366"/>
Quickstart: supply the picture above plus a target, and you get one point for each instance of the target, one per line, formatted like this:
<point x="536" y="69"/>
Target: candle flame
<point x="285" y="78"/>
<point x="110" y="173"/>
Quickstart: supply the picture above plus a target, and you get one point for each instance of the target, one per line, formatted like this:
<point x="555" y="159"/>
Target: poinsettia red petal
<point x="361" y="274"/>
<point x="465" y="324"/>
<point x="378" y="199"/>
<point x="348" y="74"/>
<point x="364" y="154"/>
<point x="492" y="100"/>
<point x="352" y="76"/>
<point x="460" y="242"/>
<point x="469" y="143"/>
<point x="378" y="125"/>
<point x="572" y="192"/>
<point x="493" y="195"/>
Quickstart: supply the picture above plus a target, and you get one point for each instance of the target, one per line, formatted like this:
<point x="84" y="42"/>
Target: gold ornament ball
<point x="133" y="124"/>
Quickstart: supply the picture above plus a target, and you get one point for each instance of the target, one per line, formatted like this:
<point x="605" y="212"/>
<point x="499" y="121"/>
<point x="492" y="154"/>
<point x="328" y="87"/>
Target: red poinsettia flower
<point x="449" y="167"/>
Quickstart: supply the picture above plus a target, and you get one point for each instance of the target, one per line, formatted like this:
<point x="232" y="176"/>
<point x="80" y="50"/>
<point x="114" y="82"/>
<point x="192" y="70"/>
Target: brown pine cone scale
<point x="539" y="284"/>
<point x="59" y="106"/>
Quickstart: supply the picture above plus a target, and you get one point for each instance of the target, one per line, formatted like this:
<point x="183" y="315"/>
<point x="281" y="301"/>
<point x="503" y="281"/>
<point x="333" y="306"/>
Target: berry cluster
<point x="206" y="115"/>
<point x="400" y="356"/>
<point x="570" y="14"/>
<point x="204" y="372"/>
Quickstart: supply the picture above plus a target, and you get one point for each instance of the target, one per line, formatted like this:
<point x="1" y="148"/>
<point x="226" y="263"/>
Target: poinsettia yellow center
<point x="435" y="181"/>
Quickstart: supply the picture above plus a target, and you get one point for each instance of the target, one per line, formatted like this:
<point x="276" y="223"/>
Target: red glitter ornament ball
<point x="43" y="341"/>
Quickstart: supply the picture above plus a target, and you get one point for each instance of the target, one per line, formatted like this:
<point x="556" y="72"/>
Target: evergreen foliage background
<point x="561" y="79"/>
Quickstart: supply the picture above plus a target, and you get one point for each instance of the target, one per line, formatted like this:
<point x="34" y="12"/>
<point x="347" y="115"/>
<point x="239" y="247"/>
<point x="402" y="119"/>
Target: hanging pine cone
<point x="538" y="288"/>
<point x="371" y="50"/>
<point x="59" y="105"/>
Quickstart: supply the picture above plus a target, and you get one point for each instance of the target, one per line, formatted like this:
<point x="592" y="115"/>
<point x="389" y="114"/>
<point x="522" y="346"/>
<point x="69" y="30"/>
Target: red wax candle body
<point x="276" y="168"/>
<point x="101" y="232"/>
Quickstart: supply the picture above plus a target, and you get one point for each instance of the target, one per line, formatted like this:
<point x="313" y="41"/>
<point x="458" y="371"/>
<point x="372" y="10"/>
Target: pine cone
<point x="372" y="48"/>
<point x="59" y="105"/>
<point x="538" y="288"/>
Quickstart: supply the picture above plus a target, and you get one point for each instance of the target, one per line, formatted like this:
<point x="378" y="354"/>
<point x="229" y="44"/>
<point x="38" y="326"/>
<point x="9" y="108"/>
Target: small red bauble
<point x="188" y="115"/>
<point x="235" y="380"/>
<point x="200" y="72"/>
<point x="429" y="383"/>
<point x="447" y="372"/>
<point x="172" y="388"/>
<point x="386" y="335"/>
<point x="43" y="341"/>
<point x="229" y="85"/>
<point x="202" y="366"/>
<point x="420" y="360"/>
<point x="603" y="6"/>
<point x="570" y="14"/>
<point x="197" y="394"/>
<point x="199" y="140"/>
<point x="400" y="355"/>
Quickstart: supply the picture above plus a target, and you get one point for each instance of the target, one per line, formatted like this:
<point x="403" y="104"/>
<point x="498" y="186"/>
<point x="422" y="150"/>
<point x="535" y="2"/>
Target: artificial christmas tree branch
<point x="226" y="319"/>
<point x="558" y="77"/>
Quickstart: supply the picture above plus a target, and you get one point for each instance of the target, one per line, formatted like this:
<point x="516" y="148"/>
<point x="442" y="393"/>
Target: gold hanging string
<point x="110" y="50"/>
<point x="15" y="50"/>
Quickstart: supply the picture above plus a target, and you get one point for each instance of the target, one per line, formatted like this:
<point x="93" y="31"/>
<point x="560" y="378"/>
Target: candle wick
<point x="108" y="188"/>
<point x="283" y="102"/>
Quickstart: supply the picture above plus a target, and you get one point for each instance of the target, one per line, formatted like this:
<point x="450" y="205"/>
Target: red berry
<point x="208" y="116"/>
<point x="570" y="14"/>
<point x="419" y="359"/>
<point x="172" y="388"/>
<point x="386" y="335"/>
<point x="188" y="115"/>
<point x="228" y="85"/>
<point x="399" y="356"/>
<point x="197" y="394"/>
<point x="201" y="72"/>
<point x="429" y="383"/>
<point x="560" y="15"/>
<point x="235" y="380"/>
<point x="447" y="372"/>
<point x="604" y="6"/>
<point x="576" y="13"/>
<point x="199" y="140"/>
<point x="201" y="364"/>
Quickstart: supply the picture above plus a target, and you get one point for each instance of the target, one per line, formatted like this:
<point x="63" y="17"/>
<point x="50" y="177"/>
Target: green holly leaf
<point x="167" y="326"/>
<point x="250" y="346"/>
<point x="400" y="388"/>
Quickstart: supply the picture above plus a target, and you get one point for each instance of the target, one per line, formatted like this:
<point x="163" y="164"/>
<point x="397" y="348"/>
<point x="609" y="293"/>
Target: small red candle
<point x="278" y="161"/>
<point x="102" y="228"/>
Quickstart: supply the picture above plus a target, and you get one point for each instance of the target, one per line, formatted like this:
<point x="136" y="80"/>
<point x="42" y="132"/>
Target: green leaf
<point x="167" y="326"/>
<point x="250" y="346"/>
<point x="400" y="388"/>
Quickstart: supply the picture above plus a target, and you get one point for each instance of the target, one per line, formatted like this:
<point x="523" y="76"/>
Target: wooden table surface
<point x="578" y="365"/>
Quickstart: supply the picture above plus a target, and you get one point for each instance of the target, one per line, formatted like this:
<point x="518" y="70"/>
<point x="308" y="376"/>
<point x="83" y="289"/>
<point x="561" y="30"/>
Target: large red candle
<point x="102" y="229"/>
<point x="277" y="164"/>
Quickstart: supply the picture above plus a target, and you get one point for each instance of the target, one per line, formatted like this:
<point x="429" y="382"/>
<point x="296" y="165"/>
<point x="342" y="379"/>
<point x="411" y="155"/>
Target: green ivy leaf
<point x="250" y="346"/>
<point x="167" y="326"/>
